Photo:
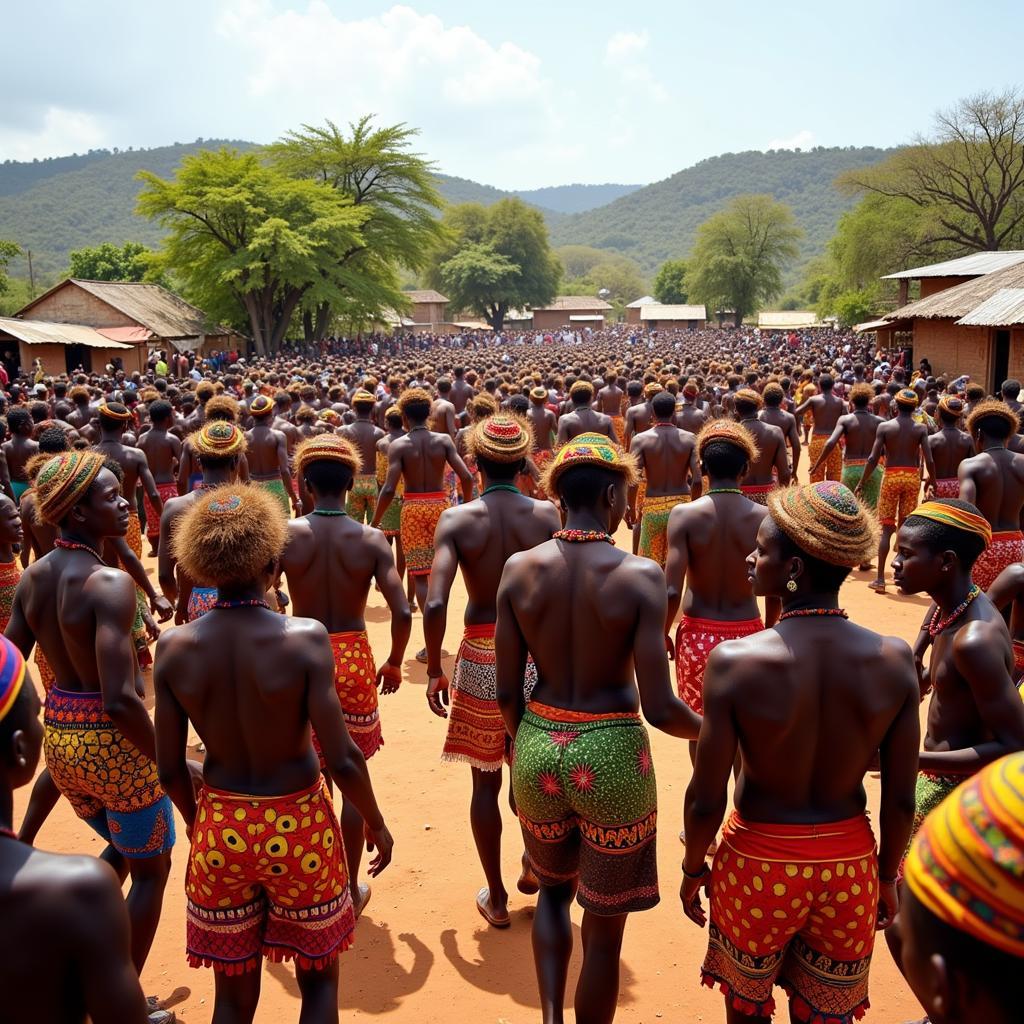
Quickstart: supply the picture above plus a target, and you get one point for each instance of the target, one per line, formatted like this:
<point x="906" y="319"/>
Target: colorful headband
<point x="966" y="864"/>
<point x="261" y="406"/>
<point x="123" y="415"/>
<point x="63" y="482"/>
<point x="958" y="518"/>
<point x="218" y="439"/>
<point x="539" y="394"/>
<point x="826" y="521"/>
<point x="907" y="397"/>
<point x="327" y="448"/>
<point x="501" y="438"/>
<point x="12" y="675"/>
<point x="590" y="450"/>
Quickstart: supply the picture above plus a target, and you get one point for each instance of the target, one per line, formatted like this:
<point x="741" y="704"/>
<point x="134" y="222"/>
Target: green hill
<point x="661" y="220"/>
<point x="575" y="198"/>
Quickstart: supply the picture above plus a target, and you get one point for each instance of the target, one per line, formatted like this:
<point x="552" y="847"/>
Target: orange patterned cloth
<point x="695" y="640"/>
<point x="10" y="574"/>
<point x="901" y="488"/>
<point x="420" y="513"/>
<point x="832" y="467"/>
<point x="759" y="492"/>
<point x="355" y="681"/>
<point x="166" y="491"/>
<point x="794" y="905"/>
<point x="619" y="426"/>
<point x="1006" y="548"/>
<point x="267" y="875"/>
<point x="46" y="676"/>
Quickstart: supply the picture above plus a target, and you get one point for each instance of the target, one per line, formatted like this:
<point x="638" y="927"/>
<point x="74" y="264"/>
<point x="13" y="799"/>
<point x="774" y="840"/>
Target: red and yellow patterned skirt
<point x="695" y="640"/>
<point x="1006" y="548"/>
<point x="420" y="513"/>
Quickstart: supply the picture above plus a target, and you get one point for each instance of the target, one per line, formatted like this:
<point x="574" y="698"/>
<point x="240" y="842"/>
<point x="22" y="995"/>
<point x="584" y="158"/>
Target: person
<point x="904" y="443"/>
<point x="419" y="459"/>
<point x="797" y="885"/>
<point x="610" y="400"/>
<point x="769" y="468"/>
<point x="689" y="415"/>
<point x="583" y="419"/>
<point x="479" y="538"/>
<point x="19" y="449"/>
<point x="582" y="771"/>
<point x="950" y="446"/>
<point x="391" y="521"/>
<point x="993" y="480"/>
<point x="544" y="427"/>
<point x="162" y="449"/>
<point x="824" y="409"/>
<point x="266" y="873"/>
<point x="10" y="536"/>
<point x="331" y="561"/>
<point x="267" y="450"/>
<point x="1010" y="394"/>
<point x="667" y="457"/>
<point x="99" y="743"/>
<point x="1007" y="594"/>
<point x="962" y="917"/>
<point x="364" y="434"/>
<point x="776" y="415"/>
<point x="442" y="411"/>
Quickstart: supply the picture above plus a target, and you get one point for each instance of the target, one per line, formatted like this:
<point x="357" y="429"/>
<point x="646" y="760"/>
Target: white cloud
<point x="626" y="56"/>
<point x="624" y="46"/>
<point x="804" y="139"/>
<point x="61" y="131"/>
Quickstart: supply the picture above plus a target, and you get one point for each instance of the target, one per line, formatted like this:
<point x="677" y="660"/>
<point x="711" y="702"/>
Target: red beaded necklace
<point x="802" y="613"/>
<point x="72" y="545"/>
<point x="937" y="625"/>
<point x="583" y="536"/>
<point x="252" y="602"/>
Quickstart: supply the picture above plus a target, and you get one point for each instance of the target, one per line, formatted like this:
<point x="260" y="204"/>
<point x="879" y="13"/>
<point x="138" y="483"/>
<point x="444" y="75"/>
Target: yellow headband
<point x="958" y="518"/>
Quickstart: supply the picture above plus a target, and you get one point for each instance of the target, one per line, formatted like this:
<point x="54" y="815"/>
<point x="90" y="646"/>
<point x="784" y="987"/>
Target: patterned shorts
<point x="200" y="601"/>
<point x="1006" y="548"/>
<point x="274" y="486"/>
<point x="362" y="499"/>
<point x="832" y="467"/>
<point x="695" y="640"/>
<point x="654" y="525"/>
<point x="166" y="492"/>
<point x="794" y="905"/>
<point x="588" y="805"/>
<point x="853" y="470"/>
<point x="759" y="492"/>
<point x="355" y="681"/>
<point x="109" y="782"/>
<point x="267" y="875"/>
<point x="619" y="427"/>
<point x="420" y="513"/>
<point x="931" y="789"/>
<point x="947" y="487"/>
<point x="476" y="730"/>
<point x="901" y="488"/>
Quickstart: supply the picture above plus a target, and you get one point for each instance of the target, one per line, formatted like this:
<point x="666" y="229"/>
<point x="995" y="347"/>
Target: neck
<point x="722" y="481"/>
<point x="949" y="596"/>
<point x="218" y="476"/>
<point x="82" y="536"/>
<point x="253" y="591"/>
<point x="799" y="602"/>
<point x="587" y="519"/>
<point x="329" y="502"/>
<point x="6" y="553"/>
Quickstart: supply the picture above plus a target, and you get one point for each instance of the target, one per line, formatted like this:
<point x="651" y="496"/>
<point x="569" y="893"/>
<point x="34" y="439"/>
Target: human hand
<point x="437" y="694"/>
<point x="888" y="903"/>
<point x="689" y="895"/>
<point x="378" y="839"/>
<point x="195" y="773"/>
<point x="161" y="607"/>
<point x="152" y="629"/>
<point x="389" y="677"/>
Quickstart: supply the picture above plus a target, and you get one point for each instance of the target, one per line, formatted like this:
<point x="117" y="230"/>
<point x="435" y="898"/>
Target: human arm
<point x="869" y="466"/>
<point x="149" y="484"/>
<point x="171" y="728"/>
<point x="387" y="493"/>
<point x="794" y="443"/>
<point x="389" y="675"/>
<point x="5" y="478"/>
<point x="449" y="421"/>
<point x="442" y="576"/>
<point x="676" y="565"/>
<point x="696" y="480"/>
<point x="781" y="464"/>
<point x="461" y="469"/>
<point x="28" y="541"/>
<point x="18" y="630"/>
<point x="158" y="604"/>
<point x="184" y="468"/>
<point x="968" y="488"/>
<point x="563" y="432"/>
<point x="929" y="462"/>
<point x="165" y="561"/>
<point x="833" y="440"/>
<point x="510" y="650"/>
<point x="282" y="467"/>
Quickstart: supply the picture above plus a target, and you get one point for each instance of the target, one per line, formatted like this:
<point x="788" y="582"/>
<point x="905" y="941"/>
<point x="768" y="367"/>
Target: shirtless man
<point x="774" y="414"/>
<point x="600" y="657"/>
<point x="479" y="538"/>
<point x="462" y="392"/>
<point x="442" y="410"/>
<point x="362" y="498"/>
<point x="583" y="419"/>
<point x="993" y="480"/>
<point x="81" y="415"/>
<point x="544" y="427"/>
<point x="667" y="457"/>
<point x="419" y="459"/>
<point x="389" y="398"/>
<point x="770" y="467"/>
<point x="904" y="443"/>
<point x="252" y="682"/>
<point x="610" y="400"/>
<point x="799" y="841"/>
<point x="267" y="454"/>
<point x="54" y="907"/>
<point x="639" y="415"/>
<point x="950" y="446"/>
<point x="825" y="409"/>
<point x="19" y="449"/>
<point x="81" y="613"/>
<point x="163" y="451"/>
<point x="689" y="415"/>
<point x="283" y="420"/>
<point x="331" y="561"/>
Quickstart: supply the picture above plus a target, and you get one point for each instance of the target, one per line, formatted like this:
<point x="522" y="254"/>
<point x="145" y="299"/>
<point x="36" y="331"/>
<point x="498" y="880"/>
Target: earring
<point x="22" y="762"/>
<point x="791" y="586"/>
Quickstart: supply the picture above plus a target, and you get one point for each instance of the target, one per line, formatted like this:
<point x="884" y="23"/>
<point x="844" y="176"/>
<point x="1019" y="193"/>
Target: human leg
<point x="45" y="795"/>
<point x="485" y="821"/>
<point x="597" y="991"/>
<point x="236" y="997"/>
<point x="552" y="948"/>
<point x="145" y="901"/>
<point x="352" y="833"/>
<point x="884" y="540"/>
<point x="319" y="992"/>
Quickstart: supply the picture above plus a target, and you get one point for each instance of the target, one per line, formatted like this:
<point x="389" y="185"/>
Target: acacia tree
<point x="969" y="175"/>
<point x="740" y="253"/>
<point x="670" y="282"/>
<point x="375" y="169"/>
<point x="239" y="229"/>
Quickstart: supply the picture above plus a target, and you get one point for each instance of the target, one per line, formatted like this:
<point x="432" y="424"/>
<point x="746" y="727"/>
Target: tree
<point x="109" y="262"/>
<point x="740" y="254"/>
<point x="589" y="271"/>
<point x="494" y="259"/>
<point x="239" y="229"/>
<point x="969" y="176"/>
<point x="670" y="282"/>
<point x="375" y="169"/>
<point x="8" y="250"/>
<point x="854" y="307"/>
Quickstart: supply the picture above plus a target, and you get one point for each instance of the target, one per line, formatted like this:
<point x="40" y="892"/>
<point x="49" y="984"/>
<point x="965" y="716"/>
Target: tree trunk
<point x="323" y="321"/>
<point x="307" y="326"/>
<point x="252" y="307"/>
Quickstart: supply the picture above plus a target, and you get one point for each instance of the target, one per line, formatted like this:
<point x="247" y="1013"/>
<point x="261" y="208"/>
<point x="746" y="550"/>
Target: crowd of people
<point x="276" y="494"/>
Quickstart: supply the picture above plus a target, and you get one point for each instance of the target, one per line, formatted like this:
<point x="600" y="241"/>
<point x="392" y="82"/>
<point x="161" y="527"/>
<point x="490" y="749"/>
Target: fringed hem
<point x="229" y="968"/>
<point x="803" y="1011"/>
<point x="762" y="1009"/>
<point x="453" y="757"/>
<point x="273" y="954"/>
<point x="371" y="748"/>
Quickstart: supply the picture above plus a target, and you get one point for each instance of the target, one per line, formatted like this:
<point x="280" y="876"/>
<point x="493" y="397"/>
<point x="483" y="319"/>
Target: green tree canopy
<point x="740" y="254"/>
<point x="239" y="229"/>
<point x="506" y="259"/>
<point x="670" y="282"/>
<point x="589" y="270"/>
<point x="109" y="262"/>
<point x="8" y="250"/>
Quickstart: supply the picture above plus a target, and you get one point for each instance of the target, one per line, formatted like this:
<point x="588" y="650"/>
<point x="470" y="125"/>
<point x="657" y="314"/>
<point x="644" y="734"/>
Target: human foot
<point x="528" y="884"/>
<point x="360" y="898"/>
<point x="496" y="917"/>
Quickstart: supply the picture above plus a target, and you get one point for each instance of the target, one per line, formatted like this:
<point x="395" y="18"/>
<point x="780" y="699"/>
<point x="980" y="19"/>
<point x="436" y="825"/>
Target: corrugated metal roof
<point x="871" y="325"/>
<point x="587" y="318"/>
<point x="953" y="303"/>
<point x="563" y="302"/>
<point x="647" y="300"/>
<point x="37" y="332"/>
<point x="787" y="319"/>
<point x="975" y="265"/>
<point x="1004" y="309"/>
<point x="670" y="311"/>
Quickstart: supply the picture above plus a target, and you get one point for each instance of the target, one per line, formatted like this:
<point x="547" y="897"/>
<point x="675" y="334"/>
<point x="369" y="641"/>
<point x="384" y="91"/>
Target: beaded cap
<point x="826" y="521"/>
<point x="63" y="482"/>
<point x="329" y="448"/>
<point x="218" y="439"/>
<point x="590" y="450"/>
<point x="500" y="438"/>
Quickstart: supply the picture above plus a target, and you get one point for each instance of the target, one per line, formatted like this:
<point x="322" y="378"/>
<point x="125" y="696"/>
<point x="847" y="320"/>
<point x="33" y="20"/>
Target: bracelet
<point x="700" y="874"/>
<point x="888" y="881"/>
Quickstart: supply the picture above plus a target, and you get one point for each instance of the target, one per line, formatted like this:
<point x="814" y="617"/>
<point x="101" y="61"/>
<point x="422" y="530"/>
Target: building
<point x="429" y="309"/>
<point x="633" y="309"/>
<point x="92" y="324"/>
<point x="789" y="320"/>
<point x="937" y="277"/>
<point x="571" y="311"/>
<point x="662" y="316"/>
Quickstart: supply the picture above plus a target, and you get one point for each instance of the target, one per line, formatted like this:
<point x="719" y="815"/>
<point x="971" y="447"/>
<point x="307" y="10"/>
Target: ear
<point x="796" y="567"/>
<point x="949" y="561"/>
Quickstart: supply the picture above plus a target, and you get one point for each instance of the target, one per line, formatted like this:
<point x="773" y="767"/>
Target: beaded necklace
<point x="328" y="512"/>
<point x="801" y="613"/>
<point x="72" y="545"/>
<point x="420" y="427"/>
<point x="583" y="536"/>
<point x="725" y="490"/>
<point x="937" y="625"/>
<point x="501" y="487"/>
<point x="251" y="602"/>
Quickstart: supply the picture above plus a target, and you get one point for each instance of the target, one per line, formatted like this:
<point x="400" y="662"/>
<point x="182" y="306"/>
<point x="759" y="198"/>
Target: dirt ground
<point x="422" y="952"/>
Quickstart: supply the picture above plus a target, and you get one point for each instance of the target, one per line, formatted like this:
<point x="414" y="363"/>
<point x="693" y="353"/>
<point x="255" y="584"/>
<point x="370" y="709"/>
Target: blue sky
<point x="518" y="94"/>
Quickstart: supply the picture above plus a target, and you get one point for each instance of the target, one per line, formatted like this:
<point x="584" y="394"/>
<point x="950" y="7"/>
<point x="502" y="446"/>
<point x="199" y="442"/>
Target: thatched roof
<point x="953" y="303"/>
<point x="425" y="295"/>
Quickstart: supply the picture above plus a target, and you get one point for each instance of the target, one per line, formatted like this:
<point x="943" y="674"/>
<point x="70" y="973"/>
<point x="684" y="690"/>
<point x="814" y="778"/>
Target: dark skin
<point x="806" y="735"/>
<point x="544" y="425"/>
<point x="461" y="393"/>
<point x="54" y="907"/>
<point x="163" y="454"/>
<point x="252" y="682"/>
<point x="610" y="399"/>
<point x="776" y="416"/>
<point x="639" y="418"/>
<point x="771" y="450"/>
<point x="266" y="452"/>
<point x="668" y="459"/>
<point x="80" y="612"/>
<point x="599" y="651"/>
<point x="331" y="562"/>
<point x="131" y="460"/>
<point x="5" y="476"/>
<point x="478" y="538"/>
<point x="38" y="536"/>
<point x="10" y="528"/>
<point x="443" y="416"/>
<point x="364" y="435"/>
<point x="993" y="480"/>
<point x="949" y="447"/>
<point x="18" y="451"/>
<point x="395" y="429"/>
<point x="859" y="428"/>
<point x="1007" y="594"/>
<point x="583" y="420"/>
<point x="689" y="416"/>
<point x="825" y="410"/>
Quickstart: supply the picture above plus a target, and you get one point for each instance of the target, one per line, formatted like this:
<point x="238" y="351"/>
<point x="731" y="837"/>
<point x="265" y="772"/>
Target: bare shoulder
<point x="643" y="569"/>
<point x="65" y="882"/>
<point x="375" y="539"/>
<point x="109" y="584"/>
<point x="750" y="656"/>
<point x="524" y="564"/>
<point x="545" y="510"/>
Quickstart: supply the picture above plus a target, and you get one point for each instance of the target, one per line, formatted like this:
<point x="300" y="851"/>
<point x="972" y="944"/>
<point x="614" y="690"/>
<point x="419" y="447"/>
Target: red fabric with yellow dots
<point x="267" y="875"/>
<point x="794" y="905"/>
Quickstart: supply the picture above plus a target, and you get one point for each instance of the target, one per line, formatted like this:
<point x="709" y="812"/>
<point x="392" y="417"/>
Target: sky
<point x="516" y="95"/>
